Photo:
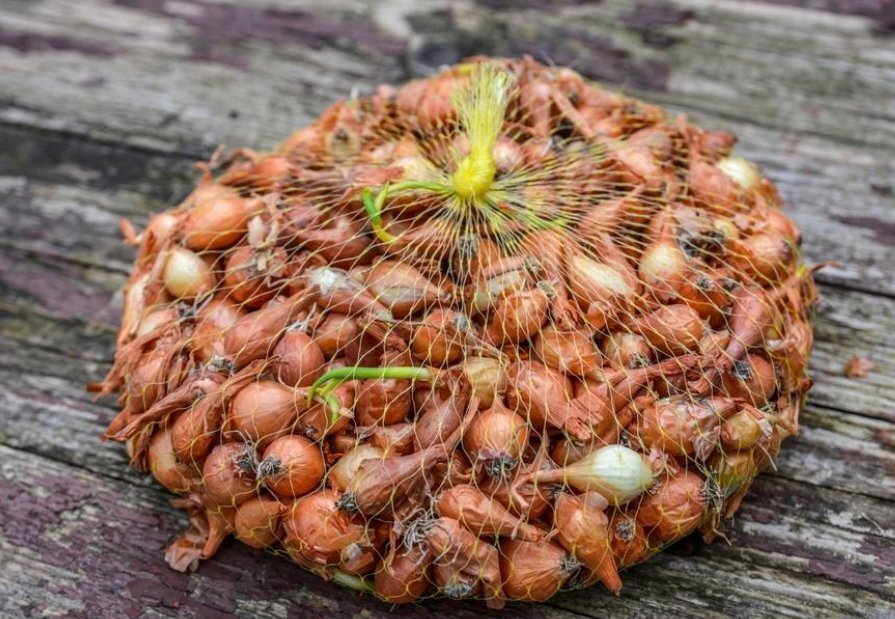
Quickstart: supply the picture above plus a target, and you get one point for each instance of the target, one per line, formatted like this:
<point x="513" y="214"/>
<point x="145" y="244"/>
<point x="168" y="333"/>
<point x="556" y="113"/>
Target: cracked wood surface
<point x="103" y="105"/>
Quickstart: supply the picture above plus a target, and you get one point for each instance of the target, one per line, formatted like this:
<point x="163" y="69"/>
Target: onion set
<point x="495" y="334"/>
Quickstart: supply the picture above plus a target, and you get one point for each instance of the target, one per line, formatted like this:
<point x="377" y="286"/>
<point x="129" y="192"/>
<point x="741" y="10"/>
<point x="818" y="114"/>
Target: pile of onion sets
<point x="493" y="334"/>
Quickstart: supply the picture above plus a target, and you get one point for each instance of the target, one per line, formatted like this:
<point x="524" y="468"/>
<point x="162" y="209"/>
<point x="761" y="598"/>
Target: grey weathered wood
<point x="103" y="105"/>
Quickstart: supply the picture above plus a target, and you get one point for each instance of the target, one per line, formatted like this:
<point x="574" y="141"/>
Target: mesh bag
<point x="493" y="334"/>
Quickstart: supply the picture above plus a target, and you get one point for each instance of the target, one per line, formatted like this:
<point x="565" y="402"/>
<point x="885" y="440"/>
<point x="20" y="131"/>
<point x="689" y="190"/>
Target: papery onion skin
<point x="488" y="378"/>
<point x="343" y="474"/>
<point x="300" y="466"/>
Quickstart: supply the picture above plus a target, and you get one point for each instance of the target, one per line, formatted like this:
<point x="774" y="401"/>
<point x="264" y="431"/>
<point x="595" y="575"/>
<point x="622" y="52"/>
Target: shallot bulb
<point x="186" y="275"/>
<point x="676" y="507"/>
<point x="482" y="515"/>
<point x="292" y="466"/>
<point x="173" y="475"/>
<point x="615" y="471"/>
<point x="627" y="350"/>
<point x="317" y="534"/>
<point x="488" y="377"/>
<point x="217" y="217"/>
<point x="228" y="475"/>
<point x="571" y="352"/>
<point x="343" y="474"/>
<point x="582" y="528"/>
<point x="520" y="315"/>
<point x="257" y="521"/>
<point x="628" y="540"/>
<point x="496" y="437"/>
<point x="439" y="339"/>
<point x="403" y="576"/>
<point x="467" y="559"/>
<point x="674" y="329"/>
<point x="402" y="288"/>
<point x="299" y="359"/>
<point x="335" y="333"/>
<point x="213" y="320"/>
<point x="534" y="572"/>
<point x="683" y="427"/>
<point x="539" y="393"/>
<point x="752" y="378"/>
<point x="264" y="410"/>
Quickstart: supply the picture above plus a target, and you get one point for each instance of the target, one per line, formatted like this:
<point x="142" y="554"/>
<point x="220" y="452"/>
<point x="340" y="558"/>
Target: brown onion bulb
<point x="533" y="572"/>
<point x="316" y="532"/>
<point x="186" y="275"/>
<point x="628" y="350"/>
<point x="496" y="437"/>
<point x="217" y="218"/>
<point x="439" y="339"/>
<point x="257" y="521"/>
<point x="297" y="465"/>
<point x="752" y="378"/>
<point x="226" y="475"/>
<point x="403" y="576"/>
<point x="263" y="410"/>
<point x="628" y="540"/>
<point x="570" y="352"/>
<point x="299" y="359"/>
<point x="335" y="333"/>
<point x="519" y="316"/>
<point x="174" y="476"/>
<point x="483" y="516"/>
<point x="539" y="394"/>
<point x="675" y="508"/>
<point x="673" y="329"/>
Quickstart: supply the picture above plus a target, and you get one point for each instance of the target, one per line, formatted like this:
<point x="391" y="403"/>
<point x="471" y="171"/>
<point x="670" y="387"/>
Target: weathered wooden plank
<point x="61" y="524"/>
<point x="823" y="133"/>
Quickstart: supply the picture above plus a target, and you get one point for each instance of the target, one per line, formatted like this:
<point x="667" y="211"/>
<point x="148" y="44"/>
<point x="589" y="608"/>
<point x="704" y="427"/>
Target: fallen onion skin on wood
<point x="493" y="334"/>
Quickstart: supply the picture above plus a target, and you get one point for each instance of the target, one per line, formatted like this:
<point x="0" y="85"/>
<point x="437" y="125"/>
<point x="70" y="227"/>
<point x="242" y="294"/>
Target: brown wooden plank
<point x="62" y="526"/>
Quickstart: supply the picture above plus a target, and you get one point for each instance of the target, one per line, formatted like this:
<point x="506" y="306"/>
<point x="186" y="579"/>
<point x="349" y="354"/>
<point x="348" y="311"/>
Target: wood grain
<point x="104" y="104"/>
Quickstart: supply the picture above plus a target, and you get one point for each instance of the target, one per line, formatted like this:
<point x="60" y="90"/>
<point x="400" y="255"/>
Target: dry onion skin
<point x="494" y="334"/>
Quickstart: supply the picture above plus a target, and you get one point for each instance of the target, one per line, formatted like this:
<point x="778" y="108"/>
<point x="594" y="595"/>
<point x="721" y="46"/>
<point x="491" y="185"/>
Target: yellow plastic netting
<point x="493" y="334"/>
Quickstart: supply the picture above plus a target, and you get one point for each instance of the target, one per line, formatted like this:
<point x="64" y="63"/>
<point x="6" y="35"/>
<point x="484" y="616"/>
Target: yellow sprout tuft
<point x="481" y="107"/>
